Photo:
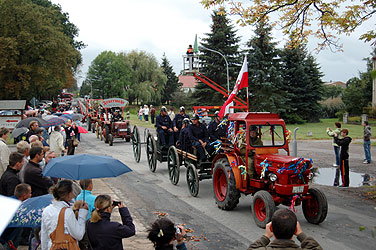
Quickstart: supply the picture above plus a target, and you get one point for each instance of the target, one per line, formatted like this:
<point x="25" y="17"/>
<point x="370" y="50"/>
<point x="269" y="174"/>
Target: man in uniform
<point x="216" y="132"/>
<point x="164" y="127"/>
<point x="199" y="137"/>
<point x="184" y="142"/>
<point x="117" y="117"/>
<point x="177" y="123"/>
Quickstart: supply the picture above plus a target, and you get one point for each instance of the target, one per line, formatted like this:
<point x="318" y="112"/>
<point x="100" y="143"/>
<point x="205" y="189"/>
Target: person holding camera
<point x="102" y="232"/>
<point x="163" y="233"/>
<point x="283" y="227"/>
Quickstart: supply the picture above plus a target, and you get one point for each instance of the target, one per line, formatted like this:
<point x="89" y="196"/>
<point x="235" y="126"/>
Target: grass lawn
<point x="135" y="121"/>
<point x="319" y="130"/>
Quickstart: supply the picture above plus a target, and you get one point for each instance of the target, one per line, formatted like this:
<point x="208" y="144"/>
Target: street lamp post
<point x="228" y="81"/>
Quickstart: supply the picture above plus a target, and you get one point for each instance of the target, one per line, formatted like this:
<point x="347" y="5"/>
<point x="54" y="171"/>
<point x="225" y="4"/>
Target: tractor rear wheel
<point x="316" y="208"/>
<point x="225" y="193"/>
<point x="263" y="207"/>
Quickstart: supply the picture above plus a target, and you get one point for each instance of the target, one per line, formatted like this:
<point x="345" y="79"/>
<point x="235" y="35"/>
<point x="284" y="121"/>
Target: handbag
<point x="60" y="240"/>
<point x="75" y="142"/>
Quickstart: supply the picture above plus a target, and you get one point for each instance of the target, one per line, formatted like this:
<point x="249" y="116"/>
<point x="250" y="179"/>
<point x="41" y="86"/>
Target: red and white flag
<point x="241" y="82"/>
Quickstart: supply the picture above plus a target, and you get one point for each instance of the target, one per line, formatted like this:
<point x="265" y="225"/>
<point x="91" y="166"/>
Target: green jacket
<point x="331" y="134"/>
<point x="306" y="243"/>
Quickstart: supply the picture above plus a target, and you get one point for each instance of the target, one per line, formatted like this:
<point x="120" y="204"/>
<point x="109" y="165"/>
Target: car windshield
<point x="266" y="135"/>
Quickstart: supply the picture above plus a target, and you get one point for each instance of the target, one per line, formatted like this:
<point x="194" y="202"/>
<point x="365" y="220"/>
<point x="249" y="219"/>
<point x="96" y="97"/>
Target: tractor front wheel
<point x="316" y="208"/>
<point x="263" y="207"/>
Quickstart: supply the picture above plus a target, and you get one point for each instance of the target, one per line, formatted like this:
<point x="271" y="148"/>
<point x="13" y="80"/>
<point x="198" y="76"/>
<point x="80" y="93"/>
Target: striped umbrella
<point x="55" y="121"/>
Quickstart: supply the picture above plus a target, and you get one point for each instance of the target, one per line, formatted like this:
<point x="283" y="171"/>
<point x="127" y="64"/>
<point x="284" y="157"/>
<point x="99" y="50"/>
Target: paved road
<point x="147" y="193"/>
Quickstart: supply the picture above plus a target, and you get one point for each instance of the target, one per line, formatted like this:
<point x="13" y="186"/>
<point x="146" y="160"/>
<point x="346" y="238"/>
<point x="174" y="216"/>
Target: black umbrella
<point x="17" y="132"/>
<point x="25" y="123"/>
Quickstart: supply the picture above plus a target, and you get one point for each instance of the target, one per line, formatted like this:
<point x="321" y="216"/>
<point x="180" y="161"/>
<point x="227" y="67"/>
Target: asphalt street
<point x="148" y="193"/>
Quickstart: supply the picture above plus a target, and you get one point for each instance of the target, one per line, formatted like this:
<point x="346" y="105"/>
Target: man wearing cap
<point x="117" y="117"/>
<point x="198" y="134"/>
<point x="164" y="127"/>
<point x="184" y="143"/>
<point x="177" y="123"/>
<point x="215" y="131"/>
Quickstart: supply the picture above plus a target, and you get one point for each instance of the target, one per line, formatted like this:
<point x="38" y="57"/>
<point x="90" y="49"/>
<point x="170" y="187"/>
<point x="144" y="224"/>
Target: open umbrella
<point x="55" y="121"/>
<point x="17" y="132"/>
<point x="29" y="214"/>
<point x="84" y="166"/>
<point x="82" y="130"/>
<point x="77" y="117"/>
<point x="67" y="116"/>
<point x="25" y="123"/>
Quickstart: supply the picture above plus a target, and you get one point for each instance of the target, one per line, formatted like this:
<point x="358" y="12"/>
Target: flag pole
<point x="247" y="100"/>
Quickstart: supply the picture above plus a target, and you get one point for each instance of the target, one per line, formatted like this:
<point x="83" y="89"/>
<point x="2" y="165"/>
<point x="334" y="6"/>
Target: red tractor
<point x="277" y="178"/>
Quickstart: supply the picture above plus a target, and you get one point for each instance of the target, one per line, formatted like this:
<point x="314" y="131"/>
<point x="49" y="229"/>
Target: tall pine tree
<point x="172" y="84"/>
<point x="222" y="38"/>
<point x="264" y="73"/>
<point x="302" y="83"/>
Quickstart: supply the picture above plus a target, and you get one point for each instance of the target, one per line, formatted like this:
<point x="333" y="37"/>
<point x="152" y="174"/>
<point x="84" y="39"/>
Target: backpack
<point x="60" y="240"/>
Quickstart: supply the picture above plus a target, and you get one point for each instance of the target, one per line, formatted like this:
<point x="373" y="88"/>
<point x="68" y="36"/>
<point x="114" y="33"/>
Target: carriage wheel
<point x="146" y="133"/>
<point x="151" y="152"/>
<point x="173" y="164"/>
<point x="192" y="180"/>
<point x="136" y="143"/>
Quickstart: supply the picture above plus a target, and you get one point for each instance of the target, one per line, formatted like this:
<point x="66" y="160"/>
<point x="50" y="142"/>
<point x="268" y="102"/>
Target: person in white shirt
<point x="56" y="141"/>
<point x="146" y="113"/>
<point x="4" y="150"/>
<point x="63" y="194"/>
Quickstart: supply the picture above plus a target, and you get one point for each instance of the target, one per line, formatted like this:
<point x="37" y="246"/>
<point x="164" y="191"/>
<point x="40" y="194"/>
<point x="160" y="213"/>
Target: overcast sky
<point x="168" y="26"/>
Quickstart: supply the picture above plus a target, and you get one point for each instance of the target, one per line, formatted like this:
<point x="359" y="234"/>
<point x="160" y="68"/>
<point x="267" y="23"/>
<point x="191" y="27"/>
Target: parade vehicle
<point x="114" y="129"/>
<point x="279" y="178"/>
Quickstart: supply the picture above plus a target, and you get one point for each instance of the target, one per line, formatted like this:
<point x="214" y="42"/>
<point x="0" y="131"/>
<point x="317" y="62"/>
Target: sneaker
<point x="342" y="186"/>
<point x="366" y="162"/>
<point x="335" y="165"/>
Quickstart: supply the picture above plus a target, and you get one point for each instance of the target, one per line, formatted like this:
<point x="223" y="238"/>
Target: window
<point x="266" y="135"/>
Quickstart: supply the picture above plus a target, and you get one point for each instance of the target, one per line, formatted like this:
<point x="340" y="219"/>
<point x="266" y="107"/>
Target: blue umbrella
<point x="67" y="116"/>
<point x="84" y="166"/>
<point x="29" y="214"/>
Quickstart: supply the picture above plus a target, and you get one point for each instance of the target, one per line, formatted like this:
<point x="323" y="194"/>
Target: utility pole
<point x="374" y="84"/>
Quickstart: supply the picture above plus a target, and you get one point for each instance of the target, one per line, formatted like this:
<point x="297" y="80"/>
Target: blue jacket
<point x="184" y="141"/>
<point x="215" y="132"/>
<point x="198" y="132"/>
<point x="108" y="235"/>
<point x="163" y="121"/>
<point x="89" y="198"/>
<point x="178" y="120"/>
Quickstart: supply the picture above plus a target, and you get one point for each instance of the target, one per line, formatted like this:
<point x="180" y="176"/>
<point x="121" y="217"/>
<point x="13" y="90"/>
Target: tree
<point x="264" y="73"/>
<point x="302" y="84"/>
<point x="36" y="57"/>
<point x="332" y="92"/>
<point x="108" y="76"/>
<point x="147" y="78"/>
<point x="222" y="38"/>
<point x="172" y="84"/>
<point x="297" y="17"/>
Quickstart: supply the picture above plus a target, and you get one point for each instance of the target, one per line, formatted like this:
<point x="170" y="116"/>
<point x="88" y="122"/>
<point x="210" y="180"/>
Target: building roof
<point x="188" y="81"/>
<point x="12" y="104"/>
<point x="336" y="83"/>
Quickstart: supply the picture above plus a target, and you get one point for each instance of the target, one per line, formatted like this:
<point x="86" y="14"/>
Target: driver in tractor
<point x="164" y="128"/>
<point x="117" y="117"/>
<point x="255" y="140"/>
<point x="199" y="137"/>
<point x="184" y="142"/>
<point x="177" y="123"/>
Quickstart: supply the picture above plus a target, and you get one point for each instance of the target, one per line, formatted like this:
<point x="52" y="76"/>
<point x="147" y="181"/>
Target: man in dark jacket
<point x="283" y="227"/>
<point x="184" y="142"/>
<point x="367" y="142"/>
<point x="344" y="155"/>
<point x="215" y="131"/>
<point x="33" y="173"/>
<point x="33" y="126"/>
<point x="164" y="128"/>
<point x="198" y="134"/>
<point x="177" y="123"/>
<point x="9" y="180"/>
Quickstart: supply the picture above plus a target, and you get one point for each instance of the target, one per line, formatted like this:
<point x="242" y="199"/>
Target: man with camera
<point x="283" y="227"/>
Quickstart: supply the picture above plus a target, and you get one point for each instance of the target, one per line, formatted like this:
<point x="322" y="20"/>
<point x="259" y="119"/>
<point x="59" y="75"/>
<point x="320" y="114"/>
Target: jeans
<point x="367" y="150"/>
<point x="336" y="152"/>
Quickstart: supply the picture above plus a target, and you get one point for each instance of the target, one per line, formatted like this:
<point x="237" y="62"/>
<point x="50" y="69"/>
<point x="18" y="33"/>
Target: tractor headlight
<point x="310" y="176"/>
<point x="273" y="177"/>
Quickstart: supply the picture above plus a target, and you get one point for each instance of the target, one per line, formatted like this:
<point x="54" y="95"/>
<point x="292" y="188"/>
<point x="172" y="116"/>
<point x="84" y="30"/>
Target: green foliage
<point x="302" y="83"/>
<point x="331" y="106"/>
<point x="135" y="76"/>
<point x="172" y="84"/>
<point x="179" y="98"/>
<point x="332" y="91"/>
<point x="222" y="38"/>
<point x="36" y="57"/>
<point x="265" y="79"/>
<point x="293" y="118"/>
